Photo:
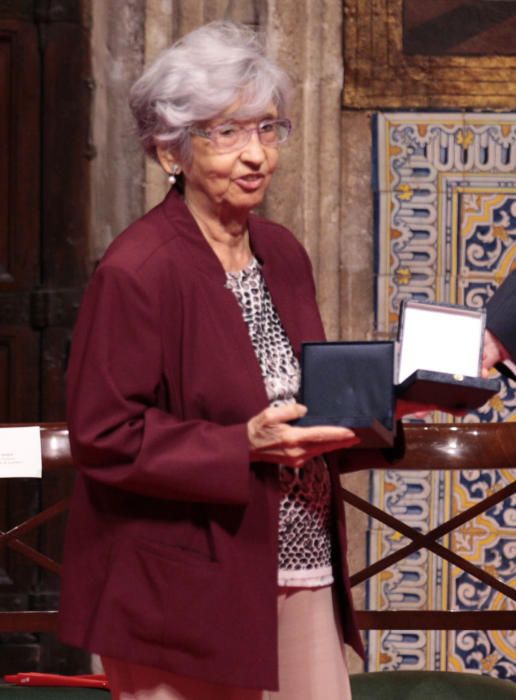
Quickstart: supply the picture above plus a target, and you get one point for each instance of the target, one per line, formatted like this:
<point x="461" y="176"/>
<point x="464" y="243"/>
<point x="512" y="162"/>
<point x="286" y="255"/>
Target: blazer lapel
<point x="200" y="254"/>
<point x="294" y="301"/>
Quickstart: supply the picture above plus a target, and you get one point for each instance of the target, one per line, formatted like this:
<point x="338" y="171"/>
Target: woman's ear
<point x="167" y="160"/>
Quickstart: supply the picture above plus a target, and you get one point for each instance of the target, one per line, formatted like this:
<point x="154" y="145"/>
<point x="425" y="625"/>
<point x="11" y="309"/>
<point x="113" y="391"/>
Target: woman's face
<point x="234" y="180"/>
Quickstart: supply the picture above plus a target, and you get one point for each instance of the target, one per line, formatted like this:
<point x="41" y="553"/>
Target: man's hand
<point x="494" y="352"/>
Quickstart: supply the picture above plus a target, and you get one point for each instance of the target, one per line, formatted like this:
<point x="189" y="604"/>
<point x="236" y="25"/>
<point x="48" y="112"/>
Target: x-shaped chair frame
<point x="441" y="446"/>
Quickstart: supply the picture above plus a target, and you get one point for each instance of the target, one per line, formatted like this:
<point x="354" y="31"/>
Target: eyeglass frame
<point x="207" y="133"/>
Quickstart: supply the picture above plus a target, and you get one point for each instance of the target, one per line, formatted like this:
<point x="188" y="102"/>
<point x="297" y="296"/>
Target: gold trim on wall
<point x="377" y="74"/>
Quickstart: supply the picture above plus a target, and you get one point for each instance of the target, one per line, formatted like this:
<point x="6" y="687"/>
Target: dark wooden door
<point x="45" y="96"/>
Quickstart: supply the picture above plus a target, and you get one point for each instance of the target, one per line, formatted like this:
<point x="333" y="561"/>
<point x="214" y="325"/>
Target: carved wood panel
<point x="459" y="27"/>
<point x="378" y="73"/>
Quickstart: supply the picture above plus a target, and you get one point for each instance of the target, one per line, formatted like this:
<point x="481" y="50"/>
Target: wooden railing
<point x="423" y="447"/>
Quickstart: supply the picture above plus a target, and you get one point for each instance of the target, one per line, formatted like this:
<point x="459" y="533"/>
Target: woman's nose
<point x="253" y="150"/>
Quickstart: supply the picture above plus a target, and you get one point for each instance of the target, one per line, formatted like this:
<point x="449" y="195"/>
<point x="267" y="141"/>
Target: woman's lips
<point x="251" y="182"/>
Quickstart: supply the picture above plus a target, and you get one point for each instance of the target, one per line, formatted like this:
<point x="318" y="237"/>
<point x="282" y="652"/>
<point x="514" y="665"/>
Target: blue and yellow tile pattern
<point x="445" y="209"/>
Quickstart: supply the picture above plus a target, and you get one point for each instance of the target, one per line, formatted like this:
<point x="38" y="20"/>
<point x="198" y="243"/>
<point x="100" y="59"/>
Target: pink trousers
<point x="312" y="664"/>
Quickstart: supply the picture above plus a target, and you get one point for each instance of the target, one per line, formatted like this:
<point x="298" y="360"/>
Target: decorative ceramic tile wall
<point x="445" y="205"/>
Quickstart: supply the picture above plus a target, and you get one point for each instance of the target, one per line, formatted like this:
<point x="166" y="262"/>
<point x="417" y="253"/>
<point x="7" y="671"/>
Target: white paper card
<point x="440" y="340"/>
<point x="20" y="452"/>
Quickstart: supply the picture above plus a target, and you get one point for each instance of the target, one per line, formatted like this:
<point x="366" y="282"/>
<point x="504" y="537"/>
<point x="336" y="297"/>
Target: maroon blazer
<point x="171" y="548"/>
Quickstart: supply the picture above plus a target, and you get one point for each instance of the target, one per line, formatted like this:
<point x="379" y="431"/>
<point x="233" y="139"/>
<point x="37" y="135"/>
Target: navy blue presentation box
<point x="350" y="384"/>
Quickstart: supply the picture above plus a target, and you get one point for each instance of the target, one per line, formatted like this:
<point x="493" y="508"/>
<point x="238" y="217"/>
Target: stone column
<point x="160" y="20"/>
<point x="305" y="37"/>
<point x="356" y="228"/>
<point x="116" y="170"/>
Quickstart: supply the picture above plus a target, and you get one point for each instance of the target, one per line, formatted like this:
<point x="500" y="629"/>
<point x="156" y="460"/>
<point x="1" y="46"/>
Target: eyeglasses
<point x="233" y="136"/>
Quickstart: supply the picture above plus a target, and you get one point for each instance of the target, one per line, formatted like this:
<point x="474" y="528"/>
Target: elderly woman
<point x="205" y="555"/>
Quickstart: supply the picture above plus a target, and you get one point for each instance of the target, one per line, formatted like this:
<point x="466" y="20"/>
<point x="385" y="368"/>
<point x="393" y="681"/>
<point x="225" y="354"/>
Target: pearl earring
<point x="172" y="177"/>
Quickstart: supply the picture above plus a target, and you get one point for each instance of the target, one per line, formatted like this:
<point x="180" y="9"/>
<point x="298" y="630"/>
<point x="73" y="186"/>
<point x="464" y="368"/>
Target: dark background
<point x="45" y="97"/>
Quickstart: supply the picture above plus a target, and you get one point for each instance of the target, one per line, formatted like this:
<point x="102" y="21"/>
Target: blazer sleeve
<point x="501" y="314"/>
<point x="118" y="433"/>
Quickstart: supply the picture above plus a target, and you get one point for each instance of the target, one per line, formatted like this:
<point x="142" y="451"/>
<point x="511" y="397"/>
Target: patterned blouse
<point x="304" y="517"/>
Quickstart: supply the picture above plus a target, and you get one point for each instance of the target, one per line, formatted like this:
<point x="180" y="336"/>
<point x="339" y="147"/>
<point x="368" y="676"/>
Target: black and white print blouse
<point x="304" y="558"/>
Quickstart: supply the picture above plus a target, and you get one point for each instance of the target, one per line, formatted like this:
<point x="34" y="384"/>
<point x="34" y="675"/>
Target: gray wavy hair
<point x="200" y="76"/>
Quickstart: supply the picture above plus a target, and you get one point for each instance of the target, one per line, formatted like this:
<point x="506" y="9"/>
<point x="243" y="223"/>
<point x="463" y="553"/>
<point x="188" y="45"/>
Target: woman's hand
<point x="272" y="439"/>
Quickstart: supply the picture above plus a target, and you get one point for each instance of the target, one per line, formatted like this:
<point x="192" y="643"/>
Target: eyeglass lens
<point x="270" y="133"/>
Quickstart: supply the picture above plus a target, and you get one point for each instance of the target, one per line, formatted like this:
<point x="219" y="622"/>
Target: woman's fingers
<point x="297" y="455"/>
<point x="267" y="428"/>
<point x="273" y="415"/>
<point x="273" y="439"/>
<point x="317" y="434"/>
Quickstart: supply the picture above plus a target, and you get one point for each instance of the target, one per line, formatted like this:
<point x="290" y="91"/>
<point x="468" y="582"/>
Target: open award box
<point x="440" y="356"/>
<point x="437" y="363"/>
